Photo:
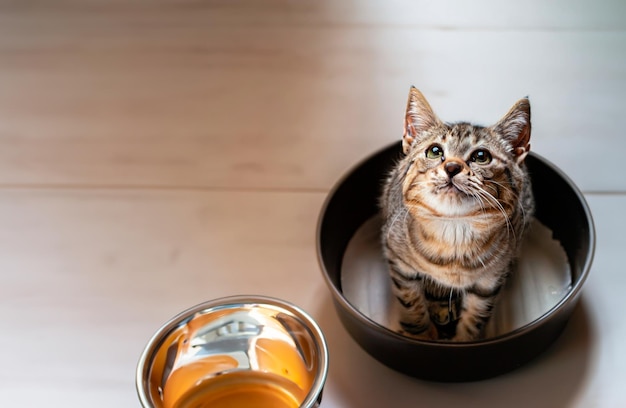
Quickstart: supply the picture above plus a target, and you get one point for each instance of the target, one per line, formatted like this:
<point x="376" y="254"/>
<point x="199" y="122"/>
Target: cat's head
<point x="456" y="169"/>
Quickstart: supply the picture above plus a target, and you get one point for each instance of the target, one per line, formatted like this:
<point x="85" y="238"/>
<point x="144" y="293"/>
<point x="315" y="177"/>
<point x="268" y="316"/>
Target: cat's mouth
<point x="452" y="200"/>
<point x="451" y="188"/>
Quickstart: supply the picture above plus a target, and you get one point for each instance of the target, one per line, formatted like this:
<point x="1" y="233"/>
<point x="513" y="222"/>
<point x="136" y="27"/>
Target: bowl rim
<point x="144" y="364"/>
<point x="570" y="296"/>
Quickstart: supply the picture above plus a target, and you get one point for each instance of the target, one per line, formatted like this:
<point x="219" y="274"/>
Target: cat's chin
<point x="453" y="204"/>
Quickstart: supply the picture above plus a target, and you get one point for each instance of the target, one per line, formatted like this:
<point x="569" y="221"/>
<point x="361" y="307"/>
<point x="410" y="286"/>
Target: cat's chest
<point x="456" y="232"/>
<point x="455" y="252"/>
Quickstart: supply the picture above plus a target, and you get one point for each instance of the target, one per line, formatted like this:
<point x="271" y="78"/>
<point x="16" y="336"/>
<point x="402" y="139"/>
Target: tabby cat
<point x="455" y="208"/>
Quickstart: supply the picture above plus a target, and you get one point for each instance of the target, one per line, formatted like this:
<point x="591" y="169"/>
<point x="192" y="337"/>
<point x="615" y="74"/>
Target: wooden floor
<point x="156" y="154"/>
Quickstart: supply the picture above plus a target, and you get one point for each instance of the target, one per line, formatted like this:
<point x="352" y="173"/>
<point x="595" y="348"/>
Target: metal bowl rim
<point x="145" y="360"/>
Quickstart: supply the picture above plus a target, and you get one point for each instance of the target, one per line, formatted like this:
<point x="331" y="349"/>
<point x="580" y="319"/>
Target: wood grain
<point x="196" y="95"/>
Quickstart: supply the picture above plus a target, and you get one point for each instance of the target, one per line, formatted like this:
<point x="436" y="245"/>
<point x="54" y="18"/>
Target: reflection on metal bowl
<point x="237" y="351"/>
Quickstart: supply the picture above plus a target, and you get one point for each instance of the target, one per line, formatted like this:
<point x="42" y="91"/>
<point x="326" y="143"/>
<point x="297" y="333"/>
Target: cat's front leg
<point x="414" y="317"/>
<point x="475" y="314"/>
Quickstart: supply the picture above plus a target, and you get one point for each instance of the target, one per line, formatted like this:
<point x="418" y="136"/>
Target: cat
<point x="455" y="208"/>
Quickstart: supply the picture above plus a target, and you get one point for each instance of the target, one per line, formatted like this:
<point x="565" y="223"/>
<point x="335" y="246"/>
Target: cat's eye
<point x="481" y="156"/>
<point x="434" y="152"/>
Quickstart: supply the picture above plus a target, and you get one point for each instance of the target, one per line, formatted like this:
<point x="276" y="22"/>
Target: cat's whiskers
<point x="524" y="218"/>
<point x="482" y="205"/>
<point x="473" y="183"/>
<point x="474" y="191"/>
<point x="481" y="262"/>
<point x="496" y="204"/>
<point x="504" y="186"/>
<point x="490" y="198"/>
<point x="516" y="198"/>
<point x="480" y="201"/>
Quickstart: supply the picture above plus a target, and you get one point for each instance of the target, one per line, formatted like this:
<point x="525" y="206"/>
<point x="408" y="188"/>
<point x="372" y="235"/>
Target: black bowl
<point x="559" y="205"/>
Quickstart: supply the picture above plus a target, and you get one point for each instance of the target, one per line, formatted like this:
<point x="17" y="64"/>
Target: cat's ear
<point x="515" y="128"/>
<point x="419" y="117"/>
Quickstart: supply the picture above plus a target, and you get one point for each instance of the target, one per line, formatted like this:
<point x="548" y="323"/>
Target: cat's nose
<point x="452" y="168"/>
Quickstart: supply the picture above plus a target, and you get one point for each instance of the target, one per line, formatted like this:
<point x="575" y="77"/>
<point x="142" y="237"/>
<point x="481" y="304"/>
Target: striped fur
<point x="455" y="207"/>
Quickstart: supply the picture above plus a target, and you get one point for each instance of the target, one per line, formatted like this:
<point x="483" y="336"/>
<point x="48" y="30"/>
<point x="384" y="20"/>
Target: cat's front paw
<point x="419" y="333"/>
<point x="465" y="336"/>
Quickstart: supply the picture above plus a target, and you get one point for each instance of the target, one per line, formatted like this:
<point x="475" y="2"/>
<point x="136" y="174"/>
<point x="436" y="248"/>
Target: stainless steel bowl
<point x="235" y="351"/>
